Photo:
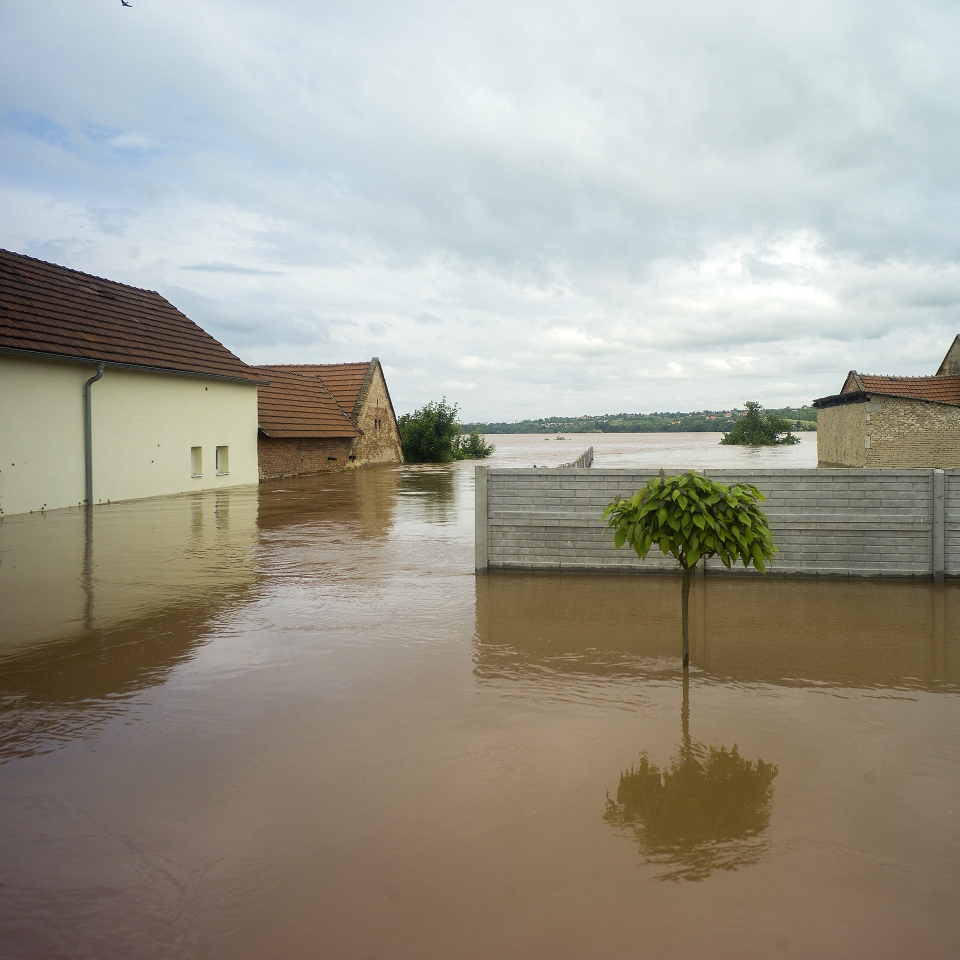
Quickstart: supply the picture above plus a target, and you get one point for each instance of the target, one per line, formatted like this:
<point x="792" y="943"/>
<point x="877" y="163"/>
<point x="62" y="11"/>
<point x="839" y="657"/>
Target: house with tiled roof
<point x="108" y="392"/>
<point x="325" y="416"/>
<point x="886" y="421"/>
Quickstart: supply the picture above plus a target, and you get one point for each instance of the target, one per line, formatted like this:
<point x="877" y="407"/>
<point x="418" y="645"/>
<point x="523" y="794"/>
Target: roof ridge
<point x="350" y="419"/>
<point x="345" y="363"/>
<point x="922" y="376"/>
<point x="81" y="273"/>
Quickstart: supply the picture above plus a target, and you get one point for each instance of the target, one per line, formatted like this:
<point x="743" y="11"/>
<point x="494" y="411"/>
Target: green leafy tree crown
<point x="757" y="428"/>
<point x="432" y="435"/>
<point x="689" y="517"/>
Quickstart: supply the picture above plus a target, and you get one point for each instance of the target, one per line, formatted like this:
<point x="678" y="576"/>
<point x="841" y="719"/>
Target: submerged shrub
<point x="432" y="435"/>
<point x="473" y="447"/>
<point x="759" y="429"/>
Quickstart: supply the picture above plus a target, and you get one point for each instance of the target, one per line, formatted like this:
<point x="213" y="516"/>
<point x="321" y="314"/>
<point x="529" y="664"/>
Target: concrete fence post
<point x="481" y="519"/>
<point x="939" y="526"/>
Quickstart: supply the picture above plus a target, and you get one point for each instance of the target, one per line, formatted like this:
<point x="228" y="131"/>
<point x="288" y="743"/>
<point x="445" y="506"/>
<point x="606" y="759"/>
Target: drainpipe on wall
<point x="88" y="432"/>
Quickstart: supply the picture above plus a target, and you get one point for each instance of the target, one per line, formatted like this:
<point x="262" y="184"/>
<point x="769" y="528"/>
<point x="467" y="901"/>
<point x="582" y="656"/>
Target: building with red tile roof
<point x="891" y="421"/>
<point x="52" y="311"/>
<point x="109" y="392"/>
<point x="324" y="416"/>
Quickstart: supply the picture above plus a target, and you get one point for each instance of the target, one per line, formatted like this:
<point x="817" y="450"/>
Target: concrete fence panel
<point x="866" y="522"/>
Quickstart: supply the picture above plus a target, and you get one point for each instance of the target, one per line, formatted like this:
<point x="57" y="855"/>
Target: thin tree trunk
<point x="686" y="619"/>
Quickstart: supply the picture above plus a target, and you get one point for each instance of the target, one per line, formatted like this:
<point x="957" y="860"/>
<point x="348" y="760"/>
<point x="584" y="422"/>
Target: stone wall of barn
<point x="889" y="432"/>
<point x="840" y="436"/>
<point x="380" y="442"/>
<point x="292" y="457"/>
<point x="912" y="433"/>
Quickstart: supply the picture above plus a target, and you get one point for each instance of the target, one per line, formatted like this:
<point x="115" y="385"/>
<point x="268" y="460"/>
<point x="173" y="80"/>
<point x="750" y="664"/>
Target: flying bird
<point x="123" y="3"/>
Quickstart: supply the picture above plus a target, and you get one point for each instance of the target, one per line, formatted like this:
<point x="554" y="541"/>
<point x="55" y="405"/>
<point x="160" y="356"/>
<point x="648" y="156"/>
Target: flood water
<point x="291" y="722"/>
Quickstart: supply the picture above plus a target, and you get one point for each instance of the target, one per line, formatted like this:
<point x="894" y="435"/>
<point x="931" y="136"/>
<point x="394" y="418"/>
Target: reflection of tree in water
<point x="706" y="811"/>
<point x="433" y="491"/>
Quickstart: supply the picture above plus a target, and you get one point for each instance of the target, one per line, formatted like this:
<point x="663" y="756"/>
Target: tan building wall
<point x="380" y="442"/>
<point x="297" y="456"/>
<point x="840" y="433"/>
<point x="144" y="427"/>
<point x="889" y="432"/>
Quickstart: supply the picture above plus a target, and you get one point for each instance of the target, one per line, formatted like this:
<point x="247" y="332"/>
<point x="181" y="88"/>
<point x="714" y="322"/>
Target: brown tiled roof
<point x="49" y="309"/>
<point x="297" y="404"/>
<point x="344" y="380"/>
<point x="936" y="389"/>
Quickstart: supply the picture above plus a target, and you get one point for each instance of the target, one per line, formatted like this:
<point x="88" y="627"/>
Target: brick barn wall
<point x="889" y="432"/>
<point x="380" y="442"/>
<point x="840" y="433"/>
<point x="283" y="457"/>
<point x="912" y="433"/>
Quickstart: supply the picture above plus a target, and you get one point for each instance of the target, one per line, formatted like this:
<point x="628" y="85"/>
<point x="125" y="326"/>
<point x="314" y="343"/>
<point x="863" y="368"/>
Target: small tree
<point x="689" y="517"/>
<point x="432" y="435"/>
<point x="759" y="429"/>
<point x="472" y="446"/>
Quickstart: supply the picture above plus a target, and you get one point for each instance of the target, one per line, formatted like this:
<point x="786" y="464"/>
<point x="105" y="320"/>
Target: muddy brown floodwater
<point x="291" y="722"/>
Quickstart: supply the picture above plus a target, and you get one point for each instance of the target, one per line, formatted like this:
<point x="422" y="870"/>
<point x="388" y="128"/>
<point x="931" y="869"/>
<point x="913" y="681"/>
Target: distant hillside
<point x="703" y="421"/>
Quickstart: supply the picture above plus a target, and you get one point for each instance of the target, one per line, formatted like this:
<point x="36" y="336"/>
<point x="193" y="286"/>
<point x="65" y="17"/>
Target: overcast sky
<point x="532" y="208"/>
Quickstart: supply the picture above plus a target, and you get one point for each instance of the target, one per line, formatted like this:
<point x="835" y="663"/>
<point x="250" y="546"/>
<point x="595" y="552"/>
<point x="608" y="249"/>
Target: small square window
<point x="196" y="461"/>
<point x="223" y="461"/>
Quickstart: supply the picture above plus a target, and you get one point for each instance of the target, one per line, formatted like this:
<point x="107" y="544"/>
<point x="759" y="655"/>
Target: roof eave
<point x="863" y="396"/>
<point x="841" y="399"/>
<point x="279" y="433"/>
<point x="70" y="358"/>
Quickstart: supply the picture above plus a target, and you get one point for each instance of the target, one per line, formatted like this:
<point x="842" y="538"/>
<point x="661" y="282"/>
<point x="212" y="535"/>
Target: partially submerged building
<point x="325" y="416"/>
<point x="302" y="427"/>
<point x="883" y="421"/>
<point x="108" y="392"/>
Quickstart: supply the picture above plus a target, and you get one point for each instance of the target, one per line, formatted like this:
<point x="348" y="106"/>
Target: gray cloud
<point x="230" y="268"/>
<point x="607" y="205"/>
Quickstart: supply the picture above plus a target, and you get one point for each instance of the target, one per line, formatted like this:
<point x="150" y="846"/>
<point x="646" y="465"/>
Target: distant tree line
<point x="702" y="421"/>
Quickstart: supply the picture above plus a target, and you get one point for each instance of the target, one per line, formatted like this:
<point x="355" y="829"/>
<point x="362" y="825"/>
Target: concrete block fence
<point x="864" y="522"/>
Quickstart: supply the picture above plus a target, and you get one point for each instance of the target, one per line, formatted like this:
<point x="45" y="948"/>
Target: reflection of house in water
<point x="365" y="501"/>
<point x="432" y="491"/>
<point x="842" y="632"/>
<point x="96" y="605"/>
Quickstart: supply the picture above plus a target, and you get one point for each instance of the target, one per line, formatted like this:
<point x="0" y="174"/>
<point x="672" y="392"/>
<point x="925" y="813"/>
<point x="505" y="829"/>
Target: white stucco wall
<point x="41" y="433"/>
<point x="144" y="425"/>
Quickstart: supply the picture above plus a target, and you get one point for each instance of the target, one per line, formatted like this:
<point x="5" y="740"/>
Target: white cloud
<point x="603" y="209"/>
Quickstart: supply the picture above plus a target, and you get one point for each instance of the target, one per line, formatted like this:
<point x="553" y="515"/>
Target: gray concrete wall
<point x="834" y="522"/>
